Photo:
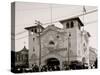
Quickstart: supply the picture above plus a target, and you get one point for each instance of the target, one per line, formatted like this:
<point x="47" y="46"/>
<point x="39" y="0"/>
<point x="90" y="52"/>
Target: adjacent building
<point x="21" y="58"/>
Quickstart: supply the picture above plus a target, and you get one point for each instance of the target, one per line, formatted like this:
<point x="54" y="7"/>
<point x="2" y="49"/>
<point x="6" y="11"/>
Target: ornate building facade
<point x="66" y="44"/>
<point x="21" y="58"/>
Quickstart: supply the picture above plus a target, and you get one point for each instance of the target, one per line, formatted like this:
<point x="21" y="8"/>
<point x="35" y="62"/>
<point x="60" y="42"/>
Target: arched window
<point x="69" y="34"/>
<point x="35" y="30"/>
<point x="72" y="24"/>
<point x="51" y="43"/>
<point x="67" y="25"/>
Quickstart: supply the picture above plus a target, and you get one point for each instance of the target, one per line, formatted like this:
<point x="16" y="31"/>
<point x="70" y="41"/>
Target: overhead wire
<point x="89" y="12"/>
<point x="58" y="20"/>
<point x="85" y="25"/>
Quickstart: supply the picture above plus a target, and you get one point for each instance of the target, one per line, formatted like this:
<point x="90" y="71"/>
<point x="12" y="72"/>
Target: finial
<point x="24" y="43"/>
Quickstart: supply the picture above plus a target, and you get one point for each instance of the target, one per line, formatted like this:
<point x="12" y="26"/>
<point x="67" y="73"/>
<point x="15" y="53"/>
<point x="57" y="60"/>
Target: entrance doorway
<point x="52" y="61"/>
<point x="53" y="64"/>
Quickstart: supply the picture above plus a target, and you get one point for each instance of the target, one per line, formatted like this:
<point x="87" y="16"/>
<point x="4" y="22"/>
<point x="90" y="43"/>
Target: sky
<point x="28" y="12"/>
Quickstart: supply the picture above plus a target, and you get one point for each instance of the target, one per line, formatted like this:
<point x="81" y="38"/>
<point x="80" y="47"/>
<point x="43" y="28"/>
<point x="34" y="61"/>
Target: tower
<point x="33" y="33"/>
<point x="72" y="27"/>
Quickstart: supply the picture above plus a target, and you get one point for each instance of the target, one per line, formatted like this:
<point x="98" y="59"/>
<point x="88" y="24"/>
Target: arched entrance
<point x="52" y="61"/>
<point x="53" y="64"/>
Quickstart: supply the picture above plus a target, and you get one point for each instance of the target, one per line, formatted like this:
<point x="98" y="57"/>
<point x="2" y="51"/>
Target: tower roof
<point x="74" y="18"/>
<point x="31" y="27"/>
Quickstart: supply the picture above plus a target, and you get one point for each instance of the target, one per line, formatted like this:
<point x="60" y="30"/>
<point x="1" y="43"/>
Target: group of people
<point x="45" y="68"/>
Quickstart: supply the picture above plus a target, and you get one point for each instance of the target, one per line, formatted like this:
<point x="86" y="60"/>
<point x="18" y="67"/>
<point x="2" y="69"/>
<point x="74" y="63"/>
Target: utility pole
<point x="39" y="31"/>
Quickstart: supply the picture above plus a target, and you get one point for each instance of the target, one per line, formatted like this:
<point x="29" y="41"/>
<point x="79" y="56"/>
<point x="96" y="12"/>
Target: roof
<point x="74" y="18"/>
<point x="31" y="27"/>
<point x="24" y="49"/>
<point x="53" y="28"/>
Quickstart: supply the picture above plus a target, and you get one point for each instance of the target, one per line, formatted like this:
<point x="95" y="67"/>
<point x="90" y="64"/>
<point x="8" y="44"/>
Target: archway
<point x="52" y="62"/>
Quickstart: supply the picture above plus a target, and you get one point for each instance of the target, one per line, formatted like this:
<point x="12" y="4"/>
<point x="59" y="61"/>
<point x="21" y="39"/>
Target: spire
<point x="24" y="46"/>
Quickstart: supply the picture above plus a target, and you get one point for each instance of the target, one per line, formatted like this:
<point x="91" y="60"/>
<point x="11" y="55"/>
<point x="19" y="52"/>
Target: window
<point x="69" y="34"/>
<point x="35" y="30"/>
<point x="72" y="24"/>
<point x="33" y="39"/>
<point x="57" y="36"/>
<point x="33" y="49"/>
<point x="51" y="43"/>
<point x="84" y="47"/>
<point x="67" y="25"/>
<point x="32" y="30"/>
